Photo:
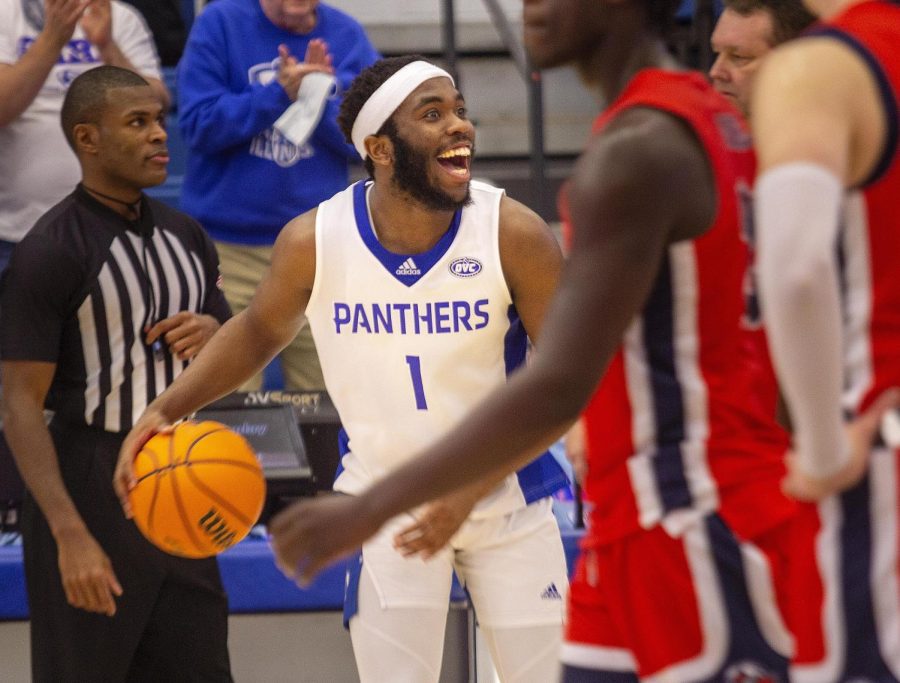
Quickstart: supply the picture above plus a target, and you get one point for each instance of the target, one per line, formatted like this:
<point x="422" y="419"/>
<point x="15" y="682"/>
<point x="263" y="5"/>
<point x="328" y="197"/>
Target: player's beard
<point x="411" y="176"/>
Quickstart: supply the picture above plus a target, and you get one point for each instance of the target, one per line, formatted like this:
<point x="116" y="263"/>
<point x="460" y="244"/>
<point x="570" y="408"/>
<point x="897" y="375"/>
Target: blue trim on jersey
<point x="515" y="342"/>
<point x="545" y="476"/>
<point x="407" y="268"/>
<point x="668" y="405"/>
<point x="888" y="97"/>
<point x="576" y="674"/>
<point x="541" y="478"/>
<point x="351" y="587"/>
<point x="863" y="661"/>
<point x="343" y="449"/>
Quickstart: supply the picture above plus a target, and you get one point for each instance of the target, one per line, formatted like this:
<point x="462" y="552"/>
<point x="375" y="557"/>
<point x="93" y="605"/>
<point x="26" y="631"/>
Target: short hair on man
<point x="86" y="97"/>
<point x="789" y="17"/>
<point x="364" y="85"/>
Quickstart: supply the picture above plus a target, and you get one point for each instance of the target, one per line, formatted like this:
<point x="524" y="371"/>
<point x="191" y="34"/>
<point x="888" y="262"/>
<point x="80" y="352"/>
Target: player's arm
<point x="814" y="103"/>
<point x="531" y="260"/>
<point x="639" y="186"/>
<point x="86" y="572"/>
<point x="240" y="348"/>
<point x="21" y="82"/>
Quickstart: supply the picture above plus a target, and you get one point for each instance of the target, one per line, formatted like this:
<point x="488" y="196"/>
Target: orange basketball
<point x="199" y="489"/>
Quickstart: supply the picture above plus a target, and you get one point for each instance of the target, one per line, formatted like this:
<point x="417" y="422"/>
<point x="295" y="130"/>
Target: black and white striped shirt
<point x="83" y="286"/>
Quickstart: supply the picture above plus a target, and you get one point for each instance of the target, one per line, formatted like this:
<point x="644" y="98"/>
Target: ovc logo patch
<point x="465" y="267"/>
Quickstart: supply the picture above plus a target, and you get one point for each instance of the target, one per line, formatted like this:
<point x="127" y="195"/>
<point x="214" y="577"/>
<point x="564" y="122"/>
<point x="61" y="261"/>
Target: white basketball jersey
<point x="409" y="343"/>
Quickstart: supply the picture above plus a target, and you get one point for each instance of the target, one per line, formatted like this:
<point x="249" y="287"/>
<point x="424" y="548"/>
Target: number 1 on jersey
<point x="415" y="373"/>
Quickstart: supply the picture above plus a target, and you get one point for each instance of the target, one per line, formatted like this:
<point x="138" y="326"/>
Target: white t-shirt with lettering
<point x="37" y="166"/>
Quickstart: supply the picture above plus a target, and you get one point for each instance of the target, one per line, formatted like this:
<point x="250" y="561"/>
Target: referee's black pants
<point x="171" y="622"/>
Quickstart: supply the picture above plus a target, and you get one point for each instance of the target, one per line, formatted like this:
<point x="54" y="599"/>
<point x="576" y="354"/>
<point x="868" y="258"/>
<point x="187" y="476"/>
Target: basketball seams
<point x="151" y="507"/>
<point x="193" y="465"/>
<point x="182" y="514"/>
<point x="215" y="497"/>
<point x="155" y="460"/>
<point x="216" y="430"/>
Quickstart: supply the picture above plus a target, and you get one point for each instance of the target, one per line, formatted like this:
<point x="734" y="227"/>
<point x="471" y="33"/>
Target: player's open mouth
<point x="456" y="161"/>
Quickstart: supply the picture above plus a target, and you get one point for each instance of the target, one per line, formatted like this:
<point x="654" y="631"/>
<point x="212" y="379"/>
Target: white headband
<point x="387" y="97"/>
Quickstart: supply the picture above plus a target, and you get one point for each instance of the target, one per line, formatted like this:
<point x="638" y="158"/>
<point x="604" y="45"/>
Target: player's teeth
<point x="461" y="152"/>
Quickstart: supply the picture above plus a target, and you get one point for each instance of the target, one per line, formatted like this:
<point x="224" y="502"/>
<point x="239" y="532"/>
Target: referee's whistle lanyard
<point x="142" y="219"/>
<point x="158" y="348"/>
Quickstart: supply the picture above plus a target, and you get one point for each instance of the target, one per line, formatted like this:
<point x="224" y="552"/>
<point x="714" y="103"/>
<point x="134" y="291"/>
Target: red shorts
<point x="857" y="553"/>
<point x="704" y="606"/>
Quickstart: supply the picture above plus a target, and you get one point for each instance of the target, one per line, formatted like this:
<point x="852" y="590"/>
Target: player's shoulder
<point x="517" y="218"/>
<point x="638" y="155"/>
<point x="646" y="171"/>
<point x="294" y="253"/>
<point x="642" y="138"/>
<point x="523" y="233"/>
<point x="814" y="63"/>
<point x="301" y="230"/>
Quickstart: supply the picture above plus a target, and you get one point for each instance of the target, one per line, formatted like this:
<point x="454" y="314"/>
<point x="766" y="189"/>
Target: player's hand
<point x="184" y="333"/>
<point x="60" y="19"/>
<point x="311" y="534"/>
<point x="291" y="71"/>
<point x="96" y="22"/>
<point x="150" y="423"/>
<point x="87" y="574"/>
<point x="435" y="524"/>
<point x="861" y="434"/>
<point x="575" y="442"/>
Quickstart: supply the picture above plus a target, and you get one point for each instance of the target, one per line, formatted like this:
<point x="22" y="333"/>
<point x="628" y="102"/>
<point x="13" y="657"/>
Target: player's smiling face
<point x="434" y="145"/>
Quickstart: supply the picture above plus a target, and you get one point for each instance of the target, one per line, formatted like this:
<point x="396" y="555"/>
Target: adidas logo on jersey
<point x="551" y="593"/>
<point x="408" y="267"/>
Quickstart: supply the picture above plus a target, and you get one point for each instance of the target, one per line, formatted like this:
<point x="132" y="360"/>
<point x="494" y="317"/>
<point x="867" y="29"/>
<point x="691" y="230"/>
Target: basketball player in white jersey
<point x="419" y="286"/>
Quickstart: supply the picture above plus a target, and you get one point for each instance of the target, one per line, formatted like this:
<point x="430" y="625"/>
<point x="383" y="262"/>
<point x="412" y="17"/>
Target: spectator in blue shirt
<point x="244" y="180"/>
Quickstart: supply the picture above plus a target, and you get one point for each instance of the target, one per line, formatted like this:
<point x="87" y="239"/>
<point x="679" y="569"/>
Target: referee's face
<point x="131" y="145"/>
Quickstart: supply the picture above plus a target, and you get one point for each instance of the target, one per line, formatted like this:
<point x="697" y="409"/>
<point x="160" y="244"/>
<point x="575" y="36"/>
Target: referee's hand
<point x="184" y="333"/>
<point x="86" y="572"/>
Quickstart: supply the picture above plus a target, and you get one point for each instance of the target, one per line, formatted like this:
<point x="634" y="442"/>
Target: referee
<point x="104" y="303"/>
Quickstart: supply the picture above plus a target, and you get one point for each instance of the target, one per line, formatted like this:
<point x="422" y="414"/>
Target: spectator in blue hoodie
<point x="242" y="68"/>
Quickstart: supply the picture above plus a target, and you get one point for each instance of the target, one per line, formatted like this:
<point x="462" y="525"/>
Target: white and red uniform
<point x="684" y="566"/>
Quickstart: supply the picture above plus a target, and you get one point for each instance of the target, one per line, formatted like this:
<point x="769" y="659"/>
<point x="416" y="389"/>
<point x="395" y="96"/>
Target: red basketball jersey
<point x="682" y="422"/>
<point x="870" y="239"/>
